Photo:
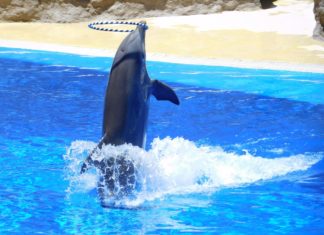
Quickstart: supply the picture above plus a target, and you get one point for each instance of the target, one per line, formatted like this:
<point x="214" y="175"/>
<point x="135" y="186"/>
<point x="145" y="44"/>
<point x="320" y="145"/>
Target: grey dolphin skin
<point x="126" y="107"/>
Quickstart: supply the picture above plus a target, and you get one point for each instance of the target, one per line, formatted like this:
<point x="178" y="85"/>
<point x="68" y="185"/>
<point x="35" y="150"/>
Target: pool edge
<point x="249" y="64"/>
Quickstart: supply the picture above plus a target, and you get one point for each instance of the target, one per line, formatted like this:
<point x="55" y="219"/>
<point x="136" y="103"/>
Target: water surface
<point x="242" y="154"/>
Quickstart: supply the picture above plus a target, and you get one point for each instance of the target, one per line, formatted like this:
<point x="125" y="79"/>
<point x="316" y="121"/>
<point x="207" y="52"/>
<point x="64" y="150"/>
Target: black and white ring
<point x="94" y="25"/>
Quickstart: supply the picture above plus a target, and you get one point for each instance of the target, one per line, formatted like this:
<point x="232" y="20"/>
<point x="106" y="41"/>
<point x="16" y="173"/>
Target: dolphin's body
<point x="126" y="106"/>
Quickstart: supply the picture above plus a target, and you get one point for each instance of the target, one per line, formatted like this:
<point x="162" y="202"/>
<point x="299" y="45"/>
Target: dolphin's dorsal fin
<point x="162" y="91"/>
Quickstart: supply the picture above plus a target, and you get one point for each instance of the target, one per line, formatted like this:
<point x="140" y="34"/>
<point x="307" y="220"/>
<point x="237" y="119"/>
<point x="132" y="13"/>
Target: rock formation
<point x="319" y="16"/>
<point x="267" y="4"/>
<point x="85" y="10"/>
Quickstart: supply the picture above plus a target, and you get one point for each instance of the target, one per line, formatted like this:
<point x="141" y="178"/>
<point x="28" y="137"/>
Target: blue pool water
<point x="242" y="154"/>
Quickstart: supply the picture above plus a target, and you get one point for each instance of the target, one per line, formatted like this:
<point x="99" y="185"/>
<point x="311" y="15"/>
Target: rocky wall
<point x="85" y="10"/>
<point x="319" y="16"/>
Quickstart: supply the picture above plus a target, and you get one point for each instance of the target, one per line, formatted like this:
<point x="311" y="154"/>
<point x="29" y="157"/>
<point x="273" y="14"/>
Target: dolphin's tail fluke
<point x="117" y="174"/>
<point x="162" y="91"/>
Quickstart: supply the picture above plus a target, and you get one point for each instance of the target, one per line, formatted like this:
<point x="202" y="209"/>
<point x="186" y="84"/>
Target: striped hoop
<point x="93" y="25"/>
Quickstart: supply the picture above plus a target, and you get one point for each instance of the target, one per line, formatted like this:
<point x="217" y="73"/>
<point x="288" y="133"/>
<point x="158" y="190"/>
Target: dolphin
<point x="126" y="108"/>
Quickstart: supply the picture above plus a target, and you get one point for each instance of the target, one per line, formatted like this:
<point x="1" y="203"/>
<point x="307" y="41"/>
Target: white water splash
<point x="177" y="166"/>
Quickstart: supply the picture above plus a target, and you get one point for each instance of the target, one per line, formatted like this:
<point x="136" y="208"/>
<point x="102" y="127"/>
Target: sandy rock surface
<point x="276" y="38"/>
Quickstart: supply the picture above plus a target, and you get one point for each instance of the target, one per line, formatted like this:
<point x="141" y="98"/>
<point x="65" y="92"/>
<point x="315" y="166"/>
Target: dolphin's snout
<point x="142" y="27"/>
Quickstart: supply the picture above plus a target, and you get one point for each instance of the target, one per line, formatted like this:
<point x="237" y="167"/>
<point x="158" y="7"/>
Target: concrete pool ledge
<point x="240" y="63"/>
<point x="279" y="38"/>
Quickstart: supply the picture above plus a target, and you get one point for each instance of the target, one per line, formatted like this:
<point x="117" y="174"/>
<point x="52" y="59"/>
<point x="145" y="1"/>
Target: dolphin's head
<point x="134" y="43"/>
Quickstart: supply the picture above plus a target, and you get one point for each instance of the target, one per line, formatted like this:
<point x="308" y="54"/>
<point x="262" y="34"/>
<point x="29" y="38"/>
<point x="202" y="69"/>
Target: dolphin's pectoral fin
<point x="89" y="161"/>
<point x="85" y="166"/>
<point x="162" y="91"/>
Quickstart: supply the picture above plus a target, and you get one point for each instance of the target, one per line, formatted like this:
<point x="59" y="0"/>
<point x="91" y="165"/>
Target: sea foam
<point x="179" y="166"/>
